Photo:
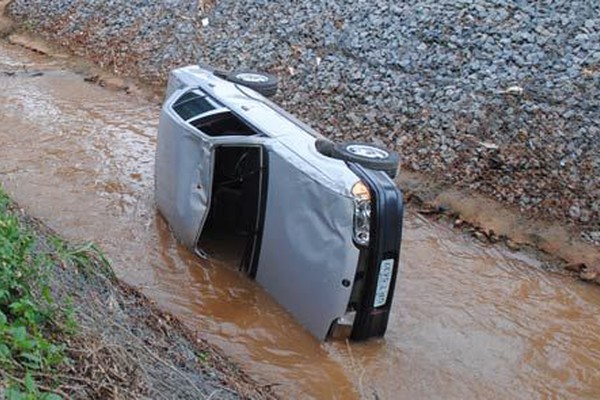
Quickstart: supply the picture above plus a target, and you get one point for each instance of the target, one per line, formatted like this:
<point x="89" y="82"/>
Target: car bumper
<point x="377" y="275"/>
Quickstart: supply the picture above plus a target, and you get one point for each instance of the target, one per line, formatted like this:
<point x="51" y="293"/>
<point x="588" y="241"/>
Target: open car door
<point x="184" y="160"/>
<point x="210" y="175"/>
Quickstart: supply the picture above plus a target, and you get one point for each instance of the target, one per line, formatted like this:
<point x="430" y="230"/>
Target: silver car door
<point x="184" y="164"/>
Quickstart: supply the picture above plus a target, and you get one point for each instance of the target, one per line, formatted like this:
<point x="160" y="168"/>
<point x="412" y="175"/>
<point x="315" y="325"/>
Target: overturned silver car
<point x="318" y="224"/>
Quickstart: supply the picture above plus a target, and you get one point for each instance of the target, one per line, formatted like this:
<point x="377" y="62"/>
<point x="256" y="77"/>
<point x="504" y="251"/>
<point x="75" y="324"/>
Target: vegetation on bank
<point x="70" y="330"/>
<point x="35" y="323"/>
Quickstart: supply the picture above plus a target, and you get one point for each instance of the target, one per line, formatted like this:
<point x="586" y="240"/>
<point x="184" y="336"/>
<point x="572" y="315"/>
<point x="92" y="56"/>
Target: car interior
<point x="235" y="209"/>
<point x="222" y="124"/>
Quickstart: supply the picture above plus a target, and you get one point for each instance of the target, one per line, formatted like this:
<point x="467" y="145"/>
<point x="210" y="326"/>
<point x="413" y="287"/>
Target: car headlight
<point x="362" y="213"/>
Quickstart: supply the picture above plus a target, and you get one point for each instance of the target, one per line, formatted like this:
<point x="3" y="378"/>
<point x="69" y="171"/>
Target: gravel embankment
<point x="498" y="96"/>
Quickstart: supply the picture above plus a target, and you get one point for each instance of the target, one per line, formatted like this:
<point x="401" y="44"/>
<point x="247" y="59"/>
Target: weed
<point x="202" y="357"/>
<point x="28" y="310"/>
<point x="29" y="25"/>
<point x="87" y="258"/>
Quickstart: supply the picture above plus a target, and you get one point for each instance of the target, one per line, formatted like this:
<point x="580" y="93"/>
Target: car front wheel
<point x="367" y="155"/>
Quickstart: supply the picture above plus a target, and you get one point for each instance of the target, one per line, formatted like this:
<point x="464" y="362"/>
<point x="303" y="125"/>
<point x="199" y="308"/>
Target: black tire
<point x="367" y="155"/>
<point x="265" y="84"/>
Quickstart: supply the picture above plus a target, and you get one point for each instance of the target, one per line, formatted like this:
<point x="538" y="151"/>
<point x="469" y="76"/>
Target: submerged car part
<point x="381" y="257"/>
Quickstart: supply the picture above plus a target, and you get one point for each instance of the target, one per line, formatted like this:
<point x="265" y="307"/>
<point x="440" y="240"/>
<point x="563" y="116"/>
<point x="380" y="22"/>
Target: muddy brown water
<point x="469" y="320"/>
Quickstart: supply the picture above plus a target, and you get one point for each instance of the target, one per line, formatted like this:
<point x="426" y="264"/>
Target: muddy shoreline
<point x="492" y="222"/>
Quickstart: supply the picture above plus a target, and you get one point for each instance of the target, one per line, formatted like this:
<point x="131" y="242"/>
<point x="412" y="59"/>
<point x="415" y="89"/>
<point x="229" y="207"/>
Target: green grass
<point x="31" y="322"/>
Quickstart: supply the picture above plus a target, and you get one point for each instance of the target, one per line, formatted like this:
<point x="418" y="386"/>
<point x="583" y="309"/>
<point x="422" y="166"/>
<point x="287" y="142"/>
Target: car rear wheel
<point x="367" y="155"/>
<point x="265" y="84"/>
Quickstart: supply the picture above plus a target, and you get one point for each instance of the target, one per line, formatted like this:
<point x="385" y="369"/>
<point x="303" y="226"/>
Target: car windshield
<point x="192" y="104"/>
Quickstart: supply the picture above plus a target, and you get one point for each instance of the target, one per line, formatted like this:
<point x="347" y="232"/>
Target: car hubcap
<point x="367" y="151"/>
<point x="250" y="77"/>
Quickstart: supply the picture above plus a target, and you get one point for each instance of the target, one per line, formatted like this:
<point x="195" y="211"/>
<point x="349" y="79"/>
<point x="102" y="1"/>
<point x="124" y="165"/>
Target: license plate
<point x="383" y="282"/>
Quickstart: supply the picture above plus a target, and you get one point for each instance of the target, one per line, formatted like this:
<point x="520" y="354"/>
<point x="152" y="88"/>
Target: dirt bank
<point x="492" y="222"/>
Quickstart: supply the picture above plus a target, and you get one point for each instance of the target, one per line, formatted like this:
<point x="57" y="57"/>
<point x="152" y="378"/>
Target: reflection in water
<point x="469" y="321"/>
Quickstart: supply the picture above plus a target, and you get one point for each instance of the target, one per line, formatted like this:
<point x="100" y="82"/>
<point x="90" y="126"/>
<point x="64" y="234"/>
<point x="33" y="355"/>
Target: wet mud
<point x="490" y="221"/>
<point x="470" y="320"/>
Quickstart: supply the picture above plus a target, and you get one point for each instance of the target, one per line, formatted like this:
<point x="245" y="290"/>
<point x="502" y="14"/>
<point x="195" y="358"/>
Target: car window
<point x="192" y="104"/>
<point x="223" y="124"/>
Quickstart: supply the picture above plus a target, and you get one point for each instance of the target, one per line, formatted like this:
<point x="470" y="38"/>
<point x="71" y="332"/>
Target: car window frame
<point x="219" y="109"/>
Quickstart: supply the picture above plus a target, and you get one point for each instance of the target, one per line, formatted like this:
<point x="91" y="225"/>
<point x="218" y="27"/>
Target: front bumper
<point x="377" y="276"/>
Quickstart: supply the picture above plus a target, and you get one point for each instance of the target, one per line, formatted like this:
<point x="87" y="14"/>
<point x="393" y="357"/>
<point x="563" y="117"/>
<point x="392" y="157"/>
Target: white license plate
<point x="383" y="282"/>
